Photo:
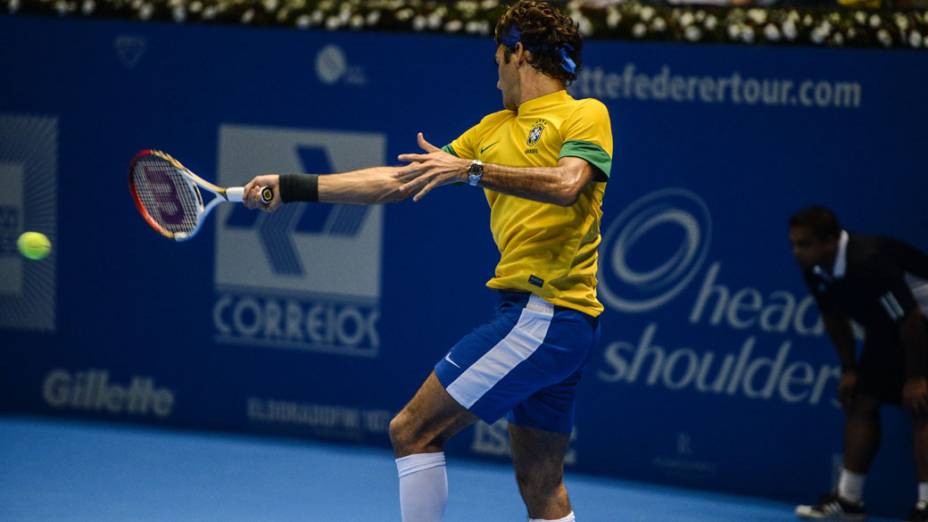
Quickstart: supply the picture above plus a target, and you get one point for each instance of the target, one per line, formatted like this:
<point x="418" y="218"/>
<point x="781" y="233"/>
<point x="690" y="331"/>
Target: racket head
<point x="165" y="194"/>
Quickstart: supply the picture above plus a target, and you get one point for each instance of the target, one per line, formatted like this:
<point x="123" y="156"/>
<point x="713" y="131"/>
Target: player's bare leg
<point x="861" y="442"/>
<point x="538" y="458"/>
<point x="861" y="433"/>
<point x="428" y="420"/>
<point x="418" y="433"/>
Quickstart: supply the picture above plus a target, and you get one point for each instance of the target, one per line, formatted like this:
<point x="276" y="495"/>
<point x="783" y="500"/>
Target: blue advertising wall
<point x="321" y="321"/>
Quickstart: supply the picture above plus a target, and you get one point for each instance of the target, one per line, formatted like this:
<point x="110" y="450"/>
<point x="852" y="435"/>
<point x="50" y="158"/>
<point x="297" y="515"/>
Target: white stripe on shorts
<point x="518" y="345"/>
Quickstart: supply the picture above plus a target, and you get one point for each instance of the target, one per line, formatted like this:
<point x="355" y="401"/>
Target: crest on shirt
<point x="535" y="134"/>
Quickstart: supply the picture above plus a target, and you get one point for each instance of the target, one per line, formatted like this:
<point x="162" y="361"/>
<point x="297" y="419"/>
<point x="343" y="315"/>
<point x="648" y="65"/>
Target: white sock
<point x="851" y="485"/>
<point x="568" y="518"/>
<point x="423" y="487"/>
<point x="923" y="491"/>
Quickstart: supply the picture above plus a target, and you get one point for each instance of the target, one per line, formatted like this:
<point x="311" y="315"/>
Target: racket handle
<point x="235" y="194"/>
<point x="267" y="195"/>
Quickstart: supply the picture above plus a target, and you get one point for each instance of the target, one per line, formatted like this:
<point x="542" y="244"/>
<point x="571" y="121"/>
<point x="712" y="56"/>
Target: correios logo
<point x="308" y="275"/>
<point x="92" y="390"/>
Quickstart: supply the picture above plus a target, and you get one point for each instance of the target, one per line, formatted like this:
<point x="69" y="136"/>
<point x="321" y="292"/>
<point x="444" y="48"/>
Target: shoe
<point x="919" y="513"/>
<point x="833" y="507"/>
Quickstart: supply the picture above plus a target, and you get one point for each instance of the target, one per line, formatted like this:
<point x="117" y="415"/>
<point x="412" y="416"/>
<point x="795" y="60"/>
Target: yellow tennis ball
<point x="34" y="245"/>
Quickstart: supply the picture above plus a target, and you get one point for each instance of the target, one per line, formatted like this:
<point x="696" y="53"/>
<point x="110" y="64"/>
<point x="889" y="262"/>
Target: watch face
<point x="474" y="173"/>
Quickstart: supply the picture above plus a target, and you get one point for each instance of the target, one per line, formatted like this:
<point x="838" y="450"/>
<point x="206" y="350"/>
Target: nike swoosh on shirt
<point x="484" y="149"/>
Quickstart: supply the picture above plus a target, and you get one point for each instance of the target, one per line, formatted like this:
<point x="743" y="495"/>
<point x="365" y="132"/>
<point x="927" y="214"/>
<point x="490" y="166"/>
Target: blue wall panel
<point x="713" y="370"/>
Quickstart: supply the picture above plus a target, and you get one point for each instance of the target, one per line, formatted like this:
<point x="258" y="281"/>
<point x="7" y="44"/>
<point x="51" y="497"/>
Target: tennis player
<point x="543" y="163"/>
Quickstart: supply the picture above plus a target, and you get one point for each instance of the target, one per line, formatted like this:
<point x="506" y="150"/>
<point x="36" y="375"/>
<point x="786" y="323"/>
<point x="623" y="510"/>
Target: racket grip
<point x="235" y="194"/>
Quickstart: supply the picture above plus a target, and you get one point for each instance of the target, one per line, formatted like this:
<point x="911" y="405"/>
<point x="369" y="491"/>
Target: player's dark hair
<point x="551" y="36"/>
<point x="822" y="221"/>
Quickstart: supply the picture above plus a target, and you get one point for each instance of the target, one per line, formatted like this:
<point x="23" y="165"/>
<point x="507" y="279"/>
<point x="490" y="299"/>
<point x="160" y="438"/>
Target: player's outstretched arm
<point x="364" y="187"/>
<point x="561" y="184"/>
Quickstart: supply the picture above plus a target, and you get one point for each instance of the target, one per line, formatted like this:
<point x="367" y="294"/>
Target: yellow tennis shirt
<point x="546" y="249"/>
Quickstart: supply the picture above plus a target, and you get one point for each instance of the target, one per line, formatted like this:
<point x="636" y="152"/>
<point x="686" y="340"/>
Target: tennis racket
<point x="168" y="196"/>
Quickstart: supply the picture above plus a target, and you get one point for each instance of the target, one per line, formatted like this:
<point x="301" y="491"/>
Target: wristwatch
<point x="474" y="173"/>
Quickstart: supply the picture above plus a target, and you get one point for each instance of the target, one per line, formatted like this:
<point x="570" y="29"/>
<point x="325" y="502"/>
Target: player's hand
<point x="846" y="387"/>
<point x="432" y="169"/>
<point x="252" y="196"/>
<point x="915" y="395"/>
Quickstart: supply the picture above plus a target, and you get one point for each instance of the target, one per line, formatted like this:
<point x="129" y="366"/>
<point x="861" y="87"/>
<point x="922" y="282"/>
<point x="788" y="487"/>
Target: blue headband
<point x="514" y="35"/>
<point x="566" y="62"/>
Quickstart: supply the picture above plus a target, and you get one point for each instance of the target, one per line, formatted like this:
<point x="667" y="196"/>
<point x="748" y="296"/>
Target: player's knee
<point x="397" y="430"/>
<point x="403" y="433"/>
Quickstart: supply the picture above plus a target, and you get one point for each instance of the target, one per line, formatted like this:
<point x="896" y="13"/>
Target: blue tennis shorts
<point x="526" y="363"/>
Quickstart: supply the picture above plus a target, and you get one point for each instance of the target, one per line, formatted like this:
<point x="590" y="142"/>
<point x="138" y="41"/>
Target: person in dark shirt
<point x="882" y="285"/>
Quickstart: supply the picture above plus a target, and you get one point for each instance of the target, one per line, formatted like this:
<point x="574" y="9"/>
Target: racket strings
<point x="173" y="202"/>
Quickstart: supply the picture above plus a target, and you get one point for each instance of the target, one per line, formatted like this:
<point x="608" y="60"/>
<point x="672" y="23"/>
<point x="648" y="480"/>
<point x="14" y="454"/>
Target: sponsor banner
<point x="92" y="390"/>
<point x="320" y="420"/>
<point x="321" y="320"/>
<point x="307" y="276"/>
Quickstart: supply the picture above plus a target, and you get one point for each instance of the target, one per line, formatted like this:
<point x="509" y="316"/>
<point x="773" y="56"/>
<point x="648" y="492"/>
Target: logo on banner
<point x="684" y="443"/>
<point x="92" y="390"/>
<point x="129" y="50"/>
<point x="683" y="464"/>
<point x="308" y="275"/>
<point x="28" y="175"/>
<point x="332" y="67"/>
<point x="653" y="249"/>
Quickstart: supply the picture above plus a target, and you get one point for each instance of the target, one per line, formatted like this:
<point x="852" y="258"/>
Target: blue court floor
<point x="73" y="471"/>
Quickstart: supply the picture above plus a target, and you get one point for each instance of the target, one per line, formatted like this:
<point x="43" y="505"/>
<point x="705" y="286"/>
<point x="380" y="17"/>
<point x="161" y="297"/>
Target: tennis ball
<point x="34" y="245"/>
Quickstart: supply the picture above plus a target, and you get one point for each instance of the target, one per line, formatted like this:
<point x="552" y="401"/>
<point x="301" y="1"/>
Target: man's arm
<point x="560" y="185"/>
<point x="896" y="299"/>
<point x="842" y="336"/>
<point x="367" y="187"/>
